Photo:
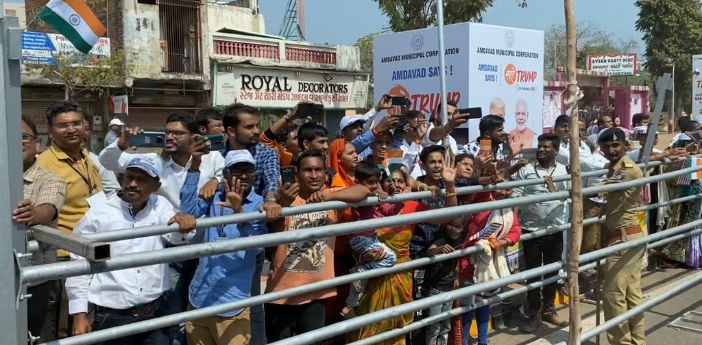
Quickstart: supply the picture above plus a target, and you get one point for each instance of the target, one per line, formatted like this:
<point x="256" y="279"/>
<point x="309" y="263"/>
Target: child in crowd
<point x="494" y="231"/>
<point x="366" y="243"/>
<point x="440" y="277"/>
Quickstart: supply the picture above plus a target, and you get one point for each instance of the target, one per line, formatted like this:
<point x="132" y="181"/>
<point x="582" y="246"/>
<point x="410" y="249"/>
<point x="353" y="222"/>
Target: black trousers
<point x="43" y="310"/>
<point x="538" y="252"/>
<point x="284" y="321"/>
<point x="105" y="319"/>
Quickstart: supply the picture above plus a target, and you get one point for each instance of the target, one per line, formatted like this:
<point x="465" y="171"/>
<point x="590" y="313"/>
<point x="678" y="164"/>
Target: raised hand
<point x="384" y="103"/>
<point x="449" y="172"/>
<point x="234" y="197"/>
<point x="127" y="134"/>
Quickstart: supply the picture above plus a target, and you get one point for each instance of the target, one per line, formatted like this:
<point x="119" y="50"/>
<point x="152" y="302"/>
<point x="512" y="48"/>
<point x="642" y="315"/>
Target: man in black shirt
<point x="440" y="277"/>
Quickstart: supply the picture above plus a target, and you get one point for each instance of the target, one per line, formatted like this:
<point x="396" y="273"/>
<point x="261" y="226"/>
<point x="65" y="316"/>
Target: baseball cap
<point x="643" y="130"/>
<point x="238" y="156"/>
<point x="349" y="120"/>
<point x="147" y="164"/>
<point x="116" y="122"/>
<point x="611" y="134"/>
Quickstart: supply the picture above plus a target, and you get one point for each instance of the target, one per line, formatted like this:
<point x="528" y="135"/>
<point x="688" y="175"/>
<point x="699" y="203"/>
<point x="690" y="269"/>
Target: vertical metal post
<point x="13" y="312"/>
<point x="442" y="63"/>
<point x="672" y="104"/>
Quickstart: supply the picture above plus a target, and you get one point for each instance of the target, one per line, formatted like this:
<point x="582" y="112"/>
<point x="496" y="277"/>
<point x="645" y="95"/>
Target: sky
<point x="344" y="21"/>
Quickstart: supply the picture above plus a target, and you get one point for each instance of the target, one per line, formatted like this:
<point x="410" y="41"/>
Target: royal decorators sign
<point x="284" y="88"/>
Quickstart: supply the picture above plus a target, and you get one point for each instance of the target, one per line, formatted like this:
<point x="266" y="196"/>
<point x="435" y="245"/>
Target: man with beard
<point x="304" y="262"/>
<point x="228" y="277"/>
<point x="181" y="141"/>
<point x="539" y="216"/>
<point x="241" y="126"/>
<point x="130" y="295"/>
<point x="603" y="122"/>
<point x="622" y="272"/>
<point x="521" y="137"/>
<point x="68" y="160"/>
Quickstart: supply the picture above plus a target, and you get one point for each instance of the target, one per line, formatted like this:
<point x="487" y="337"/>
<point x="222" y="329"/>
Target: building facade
<point x="186" y="55"/>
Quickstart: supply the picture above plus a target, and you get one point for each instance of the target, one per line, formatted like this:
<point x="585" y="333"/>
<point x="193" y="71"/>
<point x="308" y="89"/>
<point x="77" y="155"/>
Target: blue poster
<point x="37" y="48"/>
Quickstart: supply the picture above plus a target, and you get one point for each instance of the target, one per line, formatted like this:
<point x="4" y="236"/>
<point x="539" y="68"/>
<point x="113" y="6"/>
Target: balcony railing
<point x="245" y="49"/>
<point x="271" y="50"/>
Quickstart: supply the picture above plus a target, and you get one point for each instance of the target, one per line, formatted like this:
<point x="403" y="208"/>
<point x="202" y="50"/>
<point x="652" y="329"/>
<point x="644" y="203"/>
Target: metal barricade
<point x="66" y="269"/>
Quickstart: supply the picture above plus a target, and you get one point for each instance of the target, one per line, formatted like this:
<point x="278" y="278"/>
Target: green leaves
<point x="672" y="31"/>
<point x="406" y="15"/>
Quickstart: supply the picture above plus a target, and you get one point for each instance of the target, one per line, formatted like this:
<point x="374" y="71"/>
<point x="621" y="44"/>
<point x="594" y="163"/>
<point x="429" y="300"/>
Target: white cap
<point x="116" y="122"/>
<point x="642" y="130"/>
<point x="147" y="164"/>
<point x="349" y="120"/>
<point x="238" y="156"/>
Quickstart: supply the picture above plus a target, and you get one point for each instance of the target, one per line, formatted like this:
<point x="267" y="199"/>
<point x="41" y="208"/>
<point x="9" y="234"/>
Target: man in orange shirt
<point x="300" y="263"/>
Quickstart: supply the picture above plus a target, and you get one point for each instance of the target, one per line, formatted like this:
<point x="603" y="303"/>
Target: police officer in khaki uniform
<point x="622" y="276"/>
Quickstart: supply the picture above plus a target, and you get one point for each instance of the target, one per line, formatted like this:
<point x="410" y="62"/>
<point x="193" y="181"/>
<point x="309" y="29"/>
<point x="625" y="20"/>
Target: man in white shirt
<point x="437" y="132"/>
<point x="589" y="161"/>
<point x="176" y="158"/>
<point x="135" y="294"/>
<point x="109" y="179"/>
<point x="603" y="122"/>
<point x="539" y="216"/>
<point x="181" y="140"/>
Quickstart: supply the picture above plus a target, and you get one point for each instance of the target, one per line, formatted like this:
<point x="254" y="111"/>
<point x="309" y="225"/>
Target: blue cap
<point x="147" y="164"/>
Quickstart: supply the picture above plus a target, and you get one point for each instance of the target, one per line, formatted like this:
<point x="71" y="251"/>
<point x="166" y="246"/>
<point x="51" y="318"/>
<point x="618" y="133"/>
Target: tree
<point x="590" y="40"/>
<point x="365" y="45"/>
<point x="79" y="76"/>
<point x="672" y="33"/>
<point x="418" y="14"/>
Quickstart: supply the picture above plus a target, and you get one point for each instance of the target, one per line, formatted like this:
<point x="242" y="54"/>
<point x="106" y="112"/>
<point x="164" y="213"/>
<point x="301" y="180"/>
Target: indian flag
<point x="75" y="20"/>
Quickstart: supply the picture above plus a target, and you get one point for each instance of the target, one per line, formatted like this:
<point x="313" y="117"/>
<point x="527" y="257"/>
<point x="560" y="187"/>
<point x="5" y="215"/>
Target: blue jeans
<point x="437" y="333"/>
<point x="482" y="316"/>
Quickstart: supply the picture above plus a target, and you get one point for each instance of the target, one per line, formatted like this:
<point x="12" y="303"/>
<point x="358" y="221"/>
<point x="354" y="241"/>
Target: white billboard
<point x="284" y="88"/>
<point x="408" y="63"/>
<point x="507" y="78"/>
<point x="613" y="65"/>
<point x="697" y="87"/>
<point x="484" y="64"/>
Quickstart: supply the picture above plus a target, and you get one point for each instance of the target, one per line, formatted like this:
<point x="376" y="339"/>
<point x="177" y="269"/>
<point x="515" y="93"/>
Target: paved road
<point x="657" y="319"/>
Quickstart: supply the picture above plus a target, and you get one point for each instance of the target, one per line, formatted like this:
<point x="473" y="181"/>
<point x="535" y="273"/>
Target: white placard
<point x="278" y="88"/>
<point x="697" y="87"/>
<point x="484" y="63"/>
<point x="613" y="65"/>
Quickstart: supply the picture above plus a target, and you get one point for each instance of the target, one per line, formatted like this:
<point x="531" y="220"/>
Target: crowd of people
<point x="388" y="151"/>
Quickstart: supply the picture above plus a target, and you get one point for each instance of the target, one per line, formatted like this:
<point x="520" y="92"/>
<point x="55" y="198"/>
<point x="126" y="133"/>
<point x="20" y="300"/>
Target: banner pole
<point x="442" y="65"/>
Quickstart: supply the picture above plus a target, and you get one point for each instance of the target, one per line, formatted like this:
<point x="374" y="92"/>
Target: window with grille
<point x="180" y="35"/>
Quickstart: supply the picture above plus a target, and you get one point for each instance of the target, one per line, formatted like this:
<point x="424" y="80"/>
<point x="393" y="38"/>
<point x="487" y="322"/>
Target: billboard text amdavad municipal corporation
<point x="497" y="68"/>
